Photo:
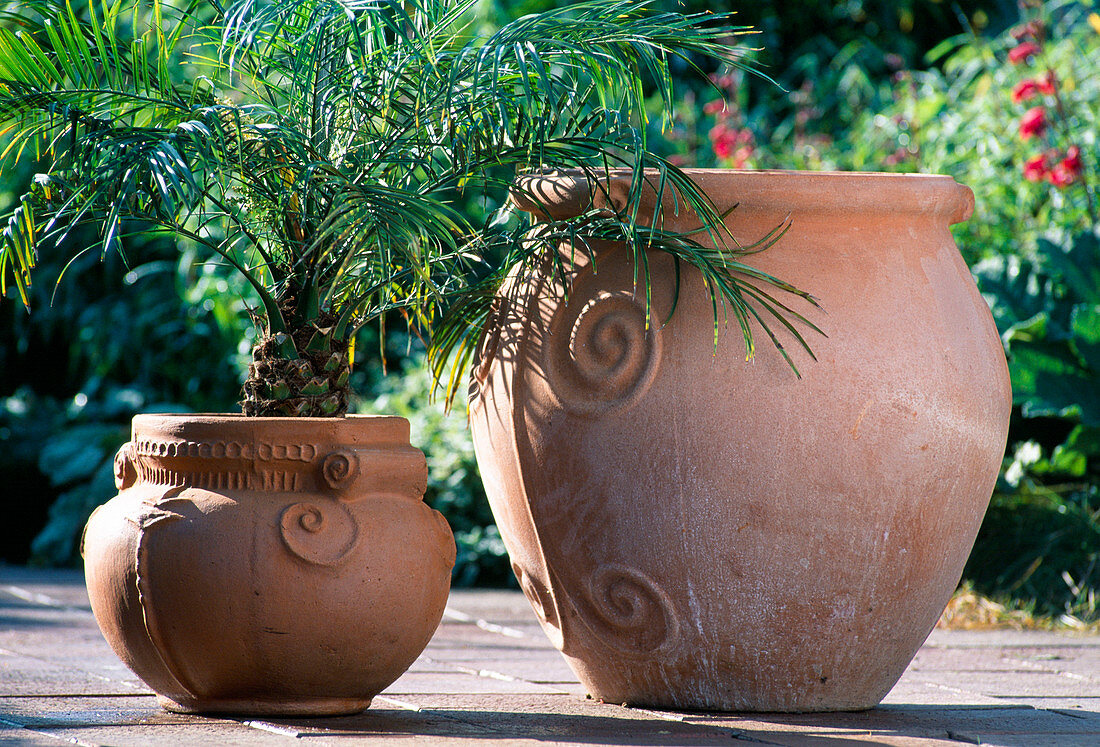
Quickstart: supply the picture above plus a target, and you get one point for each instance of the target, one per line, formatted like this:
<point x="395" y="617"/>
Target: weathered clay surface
<point x="698" y="531"/>
<point x="268" y="565"/>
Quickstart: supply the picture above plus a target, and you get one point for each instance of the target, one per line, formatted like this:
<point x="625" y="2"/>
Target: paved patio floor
<point x="490" y="677"/>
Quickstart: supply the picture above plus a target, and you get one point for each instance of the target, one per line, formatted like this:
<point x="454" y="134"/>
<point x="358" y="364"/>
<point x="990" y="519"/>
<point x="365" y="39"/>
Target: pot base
<point x="302" y="707"/>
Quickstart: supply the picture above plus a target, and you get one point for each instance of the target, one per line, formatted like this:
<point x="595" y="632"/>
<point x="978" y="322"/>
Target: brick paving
<point x="490" y="677"/>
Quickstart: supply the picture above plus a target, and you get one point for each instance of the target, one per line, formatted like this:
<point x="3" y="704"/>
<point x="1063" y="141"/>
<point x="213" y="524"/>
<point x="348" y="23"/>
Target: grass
<point x="971" y="610"/>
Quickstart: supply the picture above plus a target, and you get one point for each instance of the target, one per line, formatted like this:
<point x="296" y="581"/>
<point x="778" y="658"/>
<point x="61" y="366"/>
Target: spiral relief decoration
<point x="340" y="469"/>
<point x="319" y="533"/>
<point x="604" y="357"/>
<point x="629" y="611"/>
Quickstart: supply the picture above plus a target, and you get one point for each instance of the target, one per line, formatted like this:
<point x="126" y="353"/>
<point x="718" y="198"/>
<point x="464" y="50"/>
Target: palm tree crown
<point x="324" y="148"/>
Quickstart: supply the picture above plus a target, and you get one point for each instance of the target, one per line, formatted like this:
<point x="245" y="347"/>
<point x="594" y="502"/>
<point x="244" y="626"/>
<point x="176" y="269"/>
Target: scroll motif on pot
<point x="629" y="612"/>
<point x="604" y="356"/>
<point x="321" y="532"/>
<point x="125" y="472"/>
<point x="340" y="468"/>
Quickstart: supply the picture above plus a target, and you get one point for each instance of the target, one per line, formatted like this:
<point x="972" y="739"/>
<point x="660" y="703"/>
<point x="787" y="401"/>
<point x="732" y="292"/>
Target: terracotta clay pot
<point x="268" y="565"/>
<point x="698" y="531"/>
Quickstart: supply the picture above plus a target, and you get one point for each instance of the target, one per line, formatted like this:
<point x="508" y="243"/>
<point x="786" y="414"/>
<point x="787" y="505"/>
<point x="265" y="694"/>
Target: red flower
<point x="723" y="139"/>
<point x="1033" y="123"/>
<point x="713" y="107"/>
<point x="1060" y="176"/>
<point x="896" y="157"/>
<point x="1025" y="90"/>
<point x="722" y="81"/>
<point x="1066" y="171"/>
<point x="1035" y="169"/>
<point x="743" y="154"/>
<point x="1030" y="30"/>
<point x="1047" y="83"/>
<point x="1021" y="52"/>
<point x="1072" y="161"/>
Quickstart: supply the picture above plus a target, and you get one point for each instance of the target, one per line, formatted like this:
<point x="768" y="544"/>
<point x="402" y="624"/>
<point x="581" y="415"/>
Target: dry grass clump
<point x="971" y="610"/>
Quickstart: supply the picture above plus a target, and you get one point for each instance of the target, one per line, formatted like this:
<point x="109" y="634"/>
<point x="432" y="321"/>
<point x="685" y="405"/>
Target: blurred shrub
<point x="112" y="344"/>
<point x="70" y="447"/>
<point x="1025" y="136"/>
<point x="1041" y="538"/>
<point x="1016" y="117"/>
<point x="107" y="338"/>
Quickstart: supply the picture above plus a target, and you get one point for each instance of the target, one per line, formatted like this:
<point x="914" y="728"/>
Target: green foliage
<point x="65" y="448"/>
<point x="829" y="57"/>
<point x="1045" y="514"/>
<point x="1049" y="311"/>
<point x="960" y="118"/>
<point x="1040" y="540"/>
<point x="316" y="146"/>
<point x="454" y="484"/>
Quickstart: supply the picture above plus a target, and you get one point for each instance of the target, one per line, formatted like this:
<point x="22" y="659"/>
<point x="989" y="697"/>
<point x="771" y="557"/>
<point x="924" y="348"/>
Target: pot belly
<point x="700" y="531"/>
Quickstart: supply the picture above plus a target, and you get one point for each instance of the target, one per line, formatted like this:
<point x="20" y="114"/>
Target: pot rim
<point x="568" y="191"/>
<point x="241" y="417"/>
<point x="349" y="429"/>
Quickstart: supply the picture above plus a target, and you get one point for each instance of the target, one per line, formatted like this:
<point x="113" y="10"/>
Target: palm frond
<point x="321" y="148"/>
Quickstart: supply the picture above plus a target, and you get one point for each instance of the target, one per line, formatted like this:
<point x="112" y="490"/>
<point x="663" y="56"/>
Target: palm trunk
<point x="313" y="384"/>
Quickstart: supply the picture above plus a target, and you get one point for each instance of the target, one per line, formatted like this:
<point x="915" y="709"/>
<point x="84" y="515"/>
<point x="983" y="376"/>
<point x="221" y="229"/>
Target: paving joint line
<point x="283" y="731"/>
<point x="47" y="696"/>
<point x="1071" y="714"/>
<point x="1033" y="666"/>
<point x="43" y="600"/>
<point x="399" y="703"/>
<point x="960" y="737"/>
<point x="462" y="617"/>
<point x="137" y="689"/>
<point x="43" y="733"/>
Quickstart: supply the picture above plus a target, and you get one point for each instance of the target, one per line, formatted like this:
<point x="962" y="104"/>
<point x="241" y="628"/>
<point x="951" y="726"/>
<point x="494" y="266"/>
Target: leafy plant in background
<point x="116" y="342"/>
<point x="1047" y="304"/>
<point x="1016" y="118"/>
<point x="1041" y="538"/>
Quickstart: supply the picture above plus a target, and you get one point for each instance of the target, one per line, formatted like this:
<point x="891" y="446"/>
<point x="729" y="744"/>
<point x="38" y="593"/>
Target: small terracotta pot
<point x="268" y="565"/>
<point x="698" y="531"/>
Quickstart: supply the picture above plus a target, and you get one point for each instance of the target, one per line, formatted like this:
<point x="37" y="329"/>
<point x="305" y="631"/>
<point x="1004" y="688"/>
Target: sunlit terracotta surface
<point x="695" y="530"/>
<point x="268" y="565"/>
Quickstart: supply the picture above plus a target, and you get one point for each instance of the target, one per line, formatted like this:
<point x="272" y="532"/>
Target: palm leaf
<point x="320" y="147"/>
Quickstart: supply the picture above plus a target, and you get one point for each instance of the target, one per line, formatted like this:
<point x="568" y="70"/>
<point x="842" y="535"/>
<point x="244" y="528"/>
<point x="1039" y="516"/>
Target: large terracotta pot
<point x="268" y="565"/>
<point x="698" y="531"/>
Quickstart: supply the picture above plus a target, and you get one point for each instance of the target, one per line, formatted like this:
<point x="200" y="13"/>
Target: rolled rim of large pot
<point x="560" y="194"/>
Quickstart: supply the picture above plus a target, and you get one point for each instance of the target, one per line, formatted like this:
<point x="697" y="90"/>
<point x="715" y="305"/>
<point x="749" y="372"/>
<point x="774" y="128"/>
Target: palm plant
<point x="323" y="148"/>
